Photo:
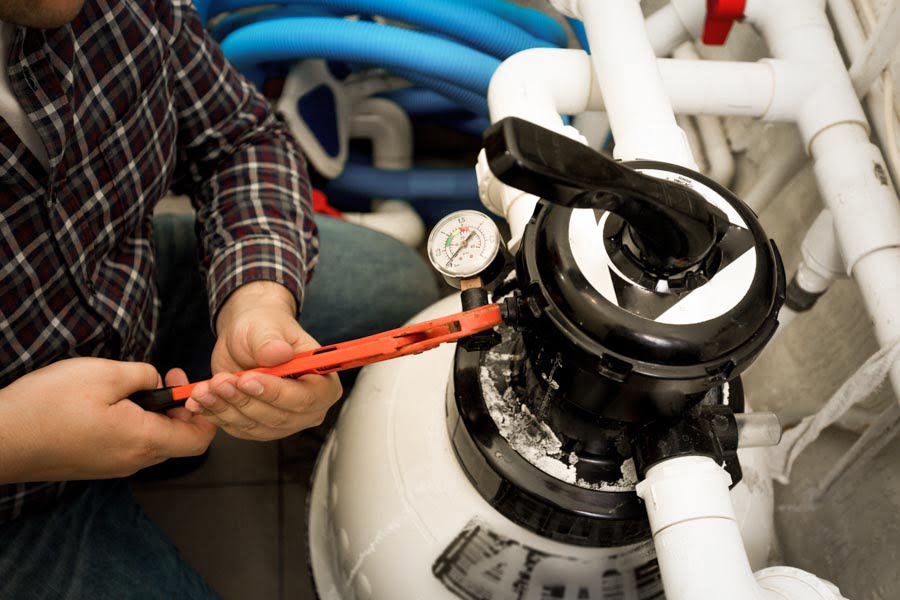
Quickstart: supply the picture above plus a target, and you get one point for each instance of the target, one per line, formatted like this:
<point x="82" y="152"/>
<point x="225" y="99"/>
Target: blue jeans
<point x="99" y="544"/>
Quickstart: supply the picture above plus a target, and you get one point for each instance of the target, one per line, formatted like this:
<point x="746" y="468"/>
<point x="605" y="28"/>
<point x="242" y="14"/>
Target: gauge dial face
<point x="463" y="244"/>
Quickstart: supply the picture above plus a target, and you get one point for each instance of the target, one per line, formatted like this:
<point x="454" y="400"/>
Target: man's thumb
<point x="269" y="346"/>
<point x="131" y="377"/>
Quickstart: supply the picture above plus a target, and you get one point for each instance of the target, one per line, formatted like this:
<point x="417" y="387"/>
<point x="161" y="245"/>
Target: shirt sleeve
<point x="241" y="167"/>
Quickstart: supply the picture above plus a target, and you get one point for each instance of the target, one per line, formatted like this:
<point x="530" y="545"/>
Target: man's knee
<point x="365" y="282"/>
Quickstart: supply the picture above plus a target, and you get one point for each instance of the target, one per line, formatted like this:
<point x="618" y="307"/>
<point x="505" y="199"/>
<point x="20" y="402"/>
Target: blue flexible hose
<point x="467" y="24"/>
<point x="533" y="21"/>
<point x="459" y="98"/>
<point x="456" y="76"/>
<point x="580" y="33"/>
<point x="391" y="47"/>
<point x="202" y="7"/>
<point x="235" y="21"/>
<point x="414" y="184"/>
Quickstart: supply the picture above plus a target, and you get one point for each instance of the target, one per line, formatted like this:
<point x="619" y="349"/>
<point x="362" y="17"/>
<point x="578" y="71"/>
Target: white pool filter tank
<point x="505" y="467"/>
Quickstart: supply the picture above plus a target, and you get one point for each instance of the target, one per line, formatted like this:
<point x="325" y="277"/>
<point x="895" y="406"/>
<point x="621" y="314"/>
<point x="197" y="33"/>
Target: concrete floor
<point x="853" y="537"/>
<point x="240" y="518"/>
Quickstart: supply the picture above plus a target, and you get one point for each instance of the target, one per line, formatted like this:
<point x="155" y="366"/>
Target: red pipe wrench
<point x="402" y="341"/>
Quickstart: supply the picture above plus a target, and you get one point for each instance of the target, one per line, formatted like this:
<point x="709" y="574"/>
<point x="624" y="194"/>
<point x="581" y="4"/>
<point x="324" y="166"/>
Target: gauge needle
<point x="462" y="247"/>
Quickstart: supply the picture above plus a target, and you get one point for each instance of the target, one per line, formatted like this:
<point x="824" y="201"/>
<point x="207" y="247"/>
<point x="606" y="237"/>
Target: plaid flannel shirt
<point x="133" y="99"/>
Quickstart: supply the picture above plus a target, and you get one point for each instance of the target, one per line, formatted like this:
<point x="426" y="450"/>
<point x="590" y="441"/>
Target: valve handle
<point x="673" y="227"/>
<point x="720" y="16"/>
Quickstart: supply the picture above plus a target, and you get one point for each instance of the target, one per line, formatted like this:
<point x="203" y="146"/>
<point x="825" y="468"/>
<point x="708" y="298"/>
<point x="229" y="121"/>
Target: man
<point x="106" y="105"/>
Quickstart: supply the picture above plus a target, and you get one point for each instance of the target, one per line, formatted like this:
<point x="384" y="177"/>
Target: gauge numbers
<point x="463" y="244"/>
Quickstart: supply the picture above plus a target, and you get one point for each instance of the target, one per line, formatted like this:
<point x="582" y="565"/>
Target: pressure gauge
<point x="464" y="245"/>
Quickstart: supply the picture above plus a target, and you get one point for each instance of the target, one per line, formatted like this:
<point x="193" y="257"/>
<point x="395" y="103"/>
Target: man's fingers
<point x="177" y="437"/>
<point x="261" y="406"/>
<point x="218" y="411"/>
<point x="279" y="404"/>
<point x="310" y="392"/>
<point x="229" y="407"/>
<point x="131" y="377"/>
<point x="176" y="377"/>
<point x="180" y="413"/>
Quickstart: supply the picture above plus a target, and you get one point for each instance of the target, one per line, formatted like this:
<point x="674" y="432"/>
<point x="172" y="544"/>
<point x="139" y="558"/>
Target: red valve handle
<point x="402" y="341"/>
<point x="720" y="16"/>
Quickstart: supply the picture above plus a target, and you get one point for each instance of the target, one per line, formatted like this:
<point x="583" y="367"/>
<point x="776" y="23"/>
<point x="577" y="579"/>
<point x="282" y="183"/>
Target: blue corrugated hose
<point x="534" y="22"/>
<point x="414" y="184"/>
<point x="468" y="24"/>
<point x="359" y="42"/>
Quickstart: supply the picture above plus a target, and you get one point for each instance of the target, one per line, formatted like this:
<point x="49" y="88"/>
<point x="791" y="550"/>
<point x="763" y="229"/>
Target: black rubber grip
<point x="158" y="400"/>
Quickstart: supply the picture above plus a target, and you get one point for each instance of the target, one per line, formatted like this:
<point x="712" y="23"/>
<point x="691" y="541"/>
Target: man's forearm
<point x="12" y="455"/>
<point x="242" y="168"/>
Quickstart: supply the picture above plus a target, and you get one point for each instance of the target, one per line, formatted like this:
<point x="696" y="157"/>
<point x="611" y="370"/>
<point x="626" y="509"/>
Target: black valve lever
<point x="673" y="227"/>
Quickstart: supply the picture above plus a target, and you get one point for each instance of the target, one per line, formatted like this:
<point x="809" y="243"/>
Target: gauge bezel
<point x="486" y="262"/>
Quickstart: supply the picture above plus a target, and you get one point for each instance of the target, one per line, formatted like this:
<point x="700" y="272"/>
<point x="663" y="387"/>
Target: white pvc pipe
<point x="776" y="176"/>
<point x="714" y="87"/>
<point x="594" y="126"/>
<point x="391" y="133"/>
<point x="665" y="30"/>
<point x="867" y="222"/>
<point x="798" y="33"/>
<point x="875" y="56"/>
<point x="640" y="114"/>
<point x="709" y="146"/>
<point x="689" y="127"/>
<point x="853" y="38"/>
<point x="513" y="204"/>
<point x="698" y="542"/>
<point x="374" y="81"/>
<point x="878" y="276"/>
<point x="541" y="83"/>
<point x="395" y="218"/>
<point x="719" y="159"/>
<point x="822" y="262"/>
<point x="811" y="280"/>
<point x="853" y="183"/>
<point x="786" y="316"/>
<point x="389" y="128"/>
<point x="538" y="87"/>
<point x="820" y="265"/>
<point x="693" y="16"/>
<point x="851" y="173"/>
<point x="846" y="19"/>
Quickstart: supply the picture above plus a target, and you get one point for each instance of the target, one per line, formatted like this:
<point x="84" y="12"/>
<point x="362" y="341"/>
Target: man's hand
<point x="70" y="420"/>
<point x="257" y="327"/>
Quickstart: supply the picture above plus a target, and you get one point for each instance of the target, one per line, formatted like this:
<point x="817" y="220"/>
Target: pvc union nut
<point x="796" y="584"/>
<point x="684" y="488"/>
